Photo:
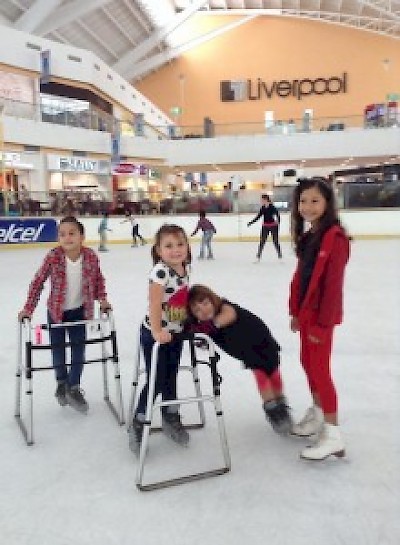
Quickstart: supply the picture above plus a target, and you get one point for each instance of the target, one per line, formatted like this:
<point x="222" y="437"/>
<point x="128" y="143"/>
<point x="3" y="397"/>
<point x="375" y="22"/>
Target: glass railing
<point x="94" y="203"/>
<point x="90" y="118"/>
<point x="65" y="113"/>
<point x="370" y="194"/>
<point x="83" y="203"/>
<point x="278" y="127"/>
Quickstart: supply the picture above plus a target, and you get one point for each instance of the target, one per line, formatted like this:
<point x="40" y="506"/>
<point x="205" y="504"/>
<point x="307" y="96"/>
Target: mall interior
<point x="161" y="109"/>
<point x="204" y="112"/>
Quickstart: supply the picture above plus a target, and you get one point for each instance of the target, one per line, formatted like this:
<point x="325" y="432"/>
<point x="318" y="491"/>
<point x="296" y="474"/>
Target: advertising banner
<point x="115" y="147"/>
<point x="45" y="66"/>
<point x="138" y="124"/>
<point x="27" y="231"/>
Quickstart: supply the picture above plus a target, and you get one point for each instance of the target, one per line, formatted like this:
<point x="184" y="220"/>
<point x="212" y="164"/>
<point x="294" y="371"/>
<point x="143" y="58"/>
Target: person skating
<point x="316" y="306"/>
<point x="270" y="224"/>
<point x="76" y="281"/>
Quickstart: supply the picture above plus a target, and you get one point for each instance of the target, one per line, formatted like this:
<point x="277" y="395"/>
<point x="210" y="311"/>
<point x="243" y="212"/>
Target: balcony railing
<point x="94" y="119"/>
<point x="90" y="118"/>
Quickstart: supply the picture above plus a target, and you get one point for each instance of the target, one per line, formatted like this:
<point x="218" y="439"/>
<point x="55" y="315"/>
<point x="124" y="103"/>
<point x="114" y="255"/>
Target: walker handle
<point x="183" y="336"/>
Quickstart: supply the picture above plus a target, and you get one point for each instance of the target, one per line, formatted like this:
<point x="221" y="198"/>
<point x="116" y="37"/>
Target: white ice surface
<point x="76" y="485"/>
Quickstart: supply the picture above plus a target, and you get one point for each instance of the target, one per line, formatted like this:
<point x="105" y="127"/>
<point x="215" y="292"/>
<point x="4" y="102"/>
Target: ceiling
<point x="136" y="37"/>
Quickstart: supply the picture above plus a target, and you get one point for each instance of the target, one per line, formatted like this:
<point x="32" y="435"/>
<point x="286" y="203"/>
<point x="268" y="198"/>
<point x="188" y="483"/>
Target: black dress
<point x="249" y="340"/>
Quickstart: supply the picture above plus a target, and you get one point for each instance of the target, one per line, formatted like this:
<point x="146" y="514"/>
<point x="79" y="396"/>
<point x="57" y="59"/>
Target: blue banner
<point x="171" y="131"/>
<point x="138" y="124"/>
<point x="27" y="231"/>
<point x="115" y="148"/>
<point x="203" y="178"/>
<point x="45" y="66"/>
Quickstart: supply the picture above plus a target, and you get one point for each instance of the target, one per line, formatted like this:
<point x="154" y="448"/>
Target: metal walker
<point x="212" y="359"/>
<point x="106" y="336"/>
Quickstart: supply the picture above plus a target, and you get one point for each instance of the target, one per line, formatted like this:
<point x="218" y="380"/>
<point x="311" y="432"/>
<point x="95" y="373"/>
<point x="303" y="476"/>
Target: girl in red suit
<point x="315" y="306"/>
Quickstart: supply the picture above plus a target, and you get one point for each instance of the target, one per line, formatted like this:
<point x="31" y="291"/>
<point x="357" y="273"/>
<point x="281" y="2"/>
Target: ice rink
<point x="76" y="484"/>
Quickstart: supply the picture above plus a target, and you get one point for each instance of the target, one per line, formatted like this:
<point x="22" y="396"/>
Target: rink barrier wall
<point x="373" y="224"/>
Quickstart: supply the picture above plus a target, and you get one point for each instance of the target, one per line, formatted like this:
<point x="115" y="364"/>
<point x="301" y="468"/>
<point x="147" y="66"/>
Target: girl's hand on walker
<point x="163" y="336"/>
<point x="22" y="315"/>
<point x="104" y="306"/>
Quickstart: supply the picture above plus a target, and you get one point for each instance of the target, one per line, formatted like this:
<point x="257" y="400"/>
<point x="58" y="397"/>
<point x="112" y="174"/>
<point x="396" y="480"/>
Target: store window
<point x="65" y="111"/>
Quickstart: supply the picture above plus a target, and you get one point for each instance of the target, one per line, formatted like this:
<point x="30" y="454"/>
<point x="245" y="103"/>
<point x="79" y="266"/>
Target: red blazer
<point x="54" y="266"/>
<point x="322" y="306"/>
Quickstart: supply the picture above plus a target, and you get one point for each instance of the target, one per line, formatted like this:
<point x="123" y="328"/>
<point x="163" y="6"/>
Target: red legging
<point x="315" y="359"/>
<point x="264" y="381"/>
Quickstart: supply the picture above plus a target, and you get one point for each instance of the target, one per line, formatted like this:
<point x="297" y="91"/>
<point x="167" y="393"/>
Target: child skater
<point x="315" y="306"/>
<point x="135" y="228"/>
<point x="166" y="315"/>
<point x="75" y="283"/>
<point x="271" y="221"/>
<point x="208" y="232"/>
<point x="103" y="228"/>
<point x="245" y="337"/>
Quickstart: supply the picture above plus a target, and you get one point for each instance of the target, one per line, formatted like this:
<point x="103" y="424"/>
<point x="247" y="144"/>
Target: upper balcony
<point x="238" y="146"/>
<point x="252" y="146"/>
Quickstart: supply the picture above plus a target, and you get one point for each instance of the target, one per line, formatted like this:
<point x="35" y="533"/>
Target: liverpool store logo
<point x="247" y="89"/>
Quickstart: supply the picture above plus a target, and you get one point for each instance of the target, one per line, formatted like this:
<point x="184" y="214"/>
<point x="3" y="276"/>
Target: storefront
<point x="79" y="174"/>
<point x="15" y="172"/>
<point x="19" y="179"/>
<point x="138" y="184"/>
<point x="79" y="185"/>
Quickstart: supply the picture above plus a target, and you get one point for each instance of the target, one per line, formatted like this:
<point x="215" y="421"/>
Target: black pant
<point x="265" y="231"/>
<point x="169" y="356"/>
<point x="135" y="234"/>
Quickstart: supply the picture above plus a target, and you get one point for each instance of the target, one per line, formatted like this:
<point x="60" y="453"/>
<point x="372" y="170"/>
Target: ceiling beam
<point x="138" y="15"/>
<point x="66" y="14"/>
<point x="156" y="37"/>
<point x="387" y="13"/>
<point x="159" y="12"/>
<point x="100" y="41"/>
<point x="119" y="26"/>
<point x="58" y="36"/>
<point x="141" y="68"/>
<point x="35" y="15"/>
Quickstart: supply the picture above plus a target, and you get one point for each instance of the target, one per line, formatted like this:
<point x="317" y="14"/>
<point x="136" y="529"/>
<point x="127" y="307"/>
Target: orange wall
<point x="275" y="49"/>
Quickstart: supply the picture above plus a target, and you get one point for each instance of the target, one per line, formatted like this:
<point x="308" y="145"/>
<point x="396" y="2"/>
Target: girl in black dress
<point x="244" y="336"/>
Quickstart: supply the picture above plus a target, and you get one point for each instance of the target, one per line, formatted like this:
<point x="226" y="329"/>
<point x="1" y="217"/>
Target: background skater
<point x="271" y="221"/>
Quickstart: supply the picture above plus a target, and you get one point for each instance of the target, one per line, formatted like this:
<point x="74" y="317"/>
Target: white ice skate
<point x="311" y="423"/>
<point x="329" y="443"/>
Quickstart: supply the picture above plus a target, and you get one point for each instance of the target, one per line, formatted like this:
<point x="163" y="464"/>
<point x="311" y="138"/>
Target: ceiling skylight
<point x="160" y="11"/>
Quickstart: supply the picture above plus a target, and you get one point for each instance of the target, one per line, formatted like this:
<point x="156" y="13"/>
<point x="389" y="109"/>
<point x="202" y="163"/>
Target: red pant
<point x="315" y="359"/>
<point x="264" y="381"/>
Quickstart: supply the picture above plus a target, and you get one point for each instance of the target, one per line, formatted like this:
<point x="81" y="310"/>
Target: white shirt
<point x="73" y="296"/>
<point x="174" y="298"/>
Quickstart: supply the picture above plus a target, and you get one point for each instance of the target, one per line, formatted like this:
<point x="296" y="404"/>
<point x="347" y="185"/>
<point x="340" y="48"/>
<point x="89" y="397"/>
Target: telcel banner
<point x="23" y="231"/>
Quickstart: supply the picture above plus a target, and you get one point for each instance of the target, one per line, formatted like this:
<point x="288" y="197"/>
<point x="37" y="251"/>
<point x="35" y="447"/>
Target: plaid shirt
<point x="54" y="266"/>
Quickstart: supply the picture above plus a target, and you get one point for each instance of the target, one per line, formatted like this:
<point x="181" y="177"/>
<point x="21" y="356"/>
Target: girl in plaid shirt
<point x="76" y="282"/>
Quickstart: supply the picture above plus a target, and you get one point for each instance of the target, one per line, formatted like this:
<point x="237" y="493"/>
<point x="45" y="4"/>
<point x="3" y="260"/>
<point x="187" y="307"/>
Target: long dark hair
<point x="169" y="229"/>
<point x="328" y="219"/>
